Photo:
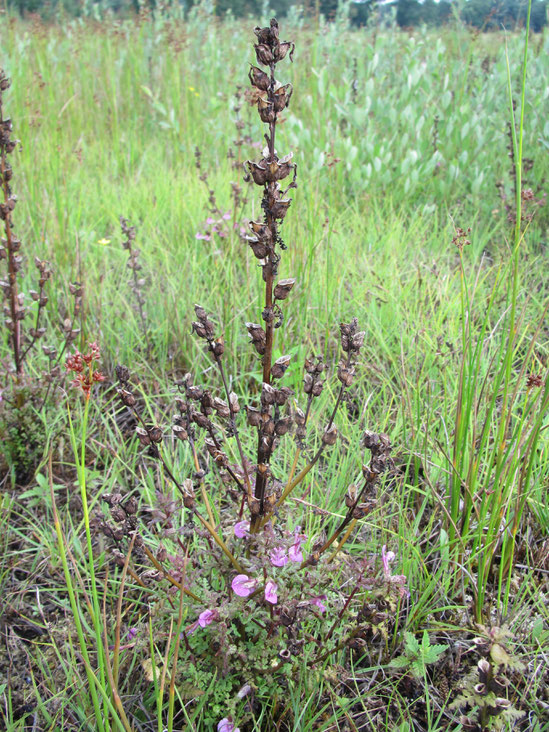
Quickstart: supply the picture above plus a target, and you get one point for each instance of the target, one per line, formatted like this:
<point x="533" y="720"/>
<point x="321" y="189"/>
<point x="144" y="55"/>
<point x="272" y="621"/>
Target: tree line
<point x="486" y="15"/>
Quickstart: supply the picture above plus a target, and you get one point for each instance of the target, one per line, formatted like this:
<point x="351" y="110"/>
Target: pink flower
<point x="270" y="592"/>
<point x="295" y="553"/>
<point x="226" y="725"/>
<point x="206" y="237"/>
<point x="395" y="579"/>
<point x="207" y="617"/>
<point x="210" y="221"/>
<point x="386" y="559"/>
<point x="278" y="557"/>
<point x="227" y="215"/>
<point x="243" y="585"/>
<point x="318" y="602"/>
<point x="241" y="529"/>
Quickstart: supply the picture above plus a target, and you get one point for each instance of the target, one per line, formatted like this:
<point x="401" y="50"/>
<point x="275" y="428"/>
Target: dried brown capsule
<point x="268" y="394"/>
<point x="299" y="417"/>
<point x="221" y="407"/>
<point x="282" y="97"/>
<point x="282" y="49"/>
<point x="264" y="54"/>
<point x="259" y="248"/>
<point x="280" y="207"/>
<point x="283" y="426"/>
<point x="345" y="373"/>
<point x="155" y="433"/>
<point x="233" y="401"/>
<point x="180" y="432"/>
<point x="200" y="419"/>
<point x="258" y="171"/>
<point x="259" y="78"/>
<point x="330" y="435"/>
<point x="143" y="436"/>
<point x="282" y="395"/>
<point x="126" y="397"/>
<point x="254" y="416"/>
<point x="188" y="493"/>
<point x="351" y="497"/>
<point x="317" y="388"/>
<point x="283" y="288"/>
<point x="261" y="230"/>
<point x="266" y="109"/>
<point x="278" y="369"/>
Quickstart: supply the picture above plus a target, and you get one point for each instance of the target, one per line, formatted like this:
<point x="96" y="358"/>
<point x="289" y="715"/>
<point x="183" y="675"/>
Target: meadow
<point x="414" y="152"/>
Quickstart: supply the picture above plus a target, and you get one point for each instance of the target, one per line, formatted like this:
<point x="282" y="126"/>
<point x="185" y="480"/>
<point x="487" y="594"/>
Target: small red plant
<point x="82" y="365"/>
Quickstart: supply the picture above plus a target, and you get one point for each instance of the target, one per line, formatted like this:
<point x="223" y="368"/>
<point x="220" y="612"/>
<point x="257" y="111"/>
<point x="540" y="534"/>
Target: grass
<point x="110" y="114"/>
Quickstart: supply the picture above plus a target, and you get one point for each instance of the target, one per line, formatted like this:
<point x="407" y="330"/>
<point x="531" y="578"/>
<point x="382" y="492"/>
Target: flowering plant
<point x="264" y="598"/>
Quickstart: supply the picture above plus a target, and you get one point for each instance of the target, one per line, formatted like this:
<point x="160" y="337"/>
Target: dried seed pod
<point x="268" y="427"/>
<point x="180" y="432"/>
<point x="266" y="109"/>
<point x="357" y="341"/>
<point x="254" y="416"/>
<point x="200" y="419"/>
<point x="299" y="417"/>
<point x="218" y="347"/>
<point x="221" y="407"/>
<point x="283" y="426"/>
<point x="351" y="497"/>
<point x="207" y="402"/>
<point x="199" y="329"/>
<point x="268" y="394"/>
<point x="188" y="493"/>
<point x="259" y="248"/>
<point x="308" y="382"/>
<point x="201" y="314"/>
<point x="317" y="388"/>
<point x="282" y="49"/>
<point x="233" y="402"/>
<point x="278" y="369"/>
<point x="263" y="54"/>
<point x="259" y="78"/>
<point x="155" y="433"/>
<point x="261" y="230"/>
<point x="143" y="436"/>
<point x="282" y="395"/>
<point x="345" y="373"/>
<point x="126" y="397"/>
<point x="258" y="171"/>
<point x="195" y="392"/>
<point x="279" y="208"/>
<point x="282" y="97"/>
<point x="330" y="435"/>
<point x="283" y="288"/>
<point x="131" y="506"/>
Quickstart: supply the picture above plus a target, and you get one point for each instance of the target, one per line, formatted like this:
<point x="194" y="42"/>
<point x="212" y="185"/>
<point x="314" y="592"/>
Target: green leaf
<point x="411" y="644"/>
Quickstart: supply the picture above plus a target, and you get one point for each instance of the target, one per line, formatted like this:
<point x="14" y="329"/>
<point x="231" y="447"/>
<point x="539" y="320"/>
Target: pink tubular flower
<point x="278" y="557"/>
<point x="226" y="725"/>
<point x="243" y="585"/>
<point x="227" y="215"/>
<point x="318" y="602"/>
<point x="270" y="592"/>
<point x="207" y="617"/>
<point x="295" y="553"/>
<point x="241" y="529"/>
<point x="395" y="579"/>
